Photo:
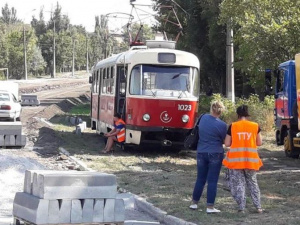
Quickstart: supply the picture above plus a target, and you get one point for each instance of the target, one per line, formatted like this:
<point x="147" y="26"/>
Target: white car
<point x="10" y="108"/>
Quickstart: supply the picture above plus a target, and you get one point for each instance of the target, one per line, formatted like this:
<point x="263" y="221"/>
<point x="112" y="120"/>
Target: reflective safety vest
<point x="121" y="134"/>
<point x="243" y="150"/>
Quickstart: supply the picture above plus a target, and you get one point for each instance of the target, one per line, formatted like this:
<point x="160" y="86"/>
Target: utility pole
<point x="73" y="57"/>
<point x="230" y="91"/>
<point x="54" y="61"/>
<point x="25" y="56"/>
<point x="87" y="54"/>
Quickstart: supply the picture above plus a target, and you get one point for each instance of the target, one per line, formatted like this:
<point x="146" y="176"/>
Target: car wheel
<point x="288" y="146"/>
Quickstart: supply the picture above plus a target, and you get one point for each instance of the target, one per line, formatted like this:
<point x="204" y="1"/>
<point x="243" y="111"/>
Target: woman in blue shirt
<point x="210" y="153"/>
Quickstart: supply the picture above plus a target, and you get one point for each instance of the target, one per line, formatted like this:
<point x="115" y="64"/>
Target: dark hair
<point x="118" y="115"/>
<point x="242" y="111"/>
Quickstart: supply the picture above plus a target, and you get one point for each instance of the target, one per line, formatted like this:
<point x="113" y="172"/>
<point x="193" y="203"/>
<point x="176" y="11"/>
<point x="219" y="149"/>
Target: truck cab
<point x="285" y="112"/>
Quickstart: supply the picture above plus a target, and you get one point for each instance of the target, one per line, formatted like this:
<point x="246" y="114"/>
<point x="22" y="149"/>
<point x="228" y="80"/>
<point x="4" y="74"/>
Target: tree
<point x="37" y="63"/>
<point x="266" y="33"/>
<point x="202" y="35"/>
<point x="9" y="16"/>
<point x="39" y="25"/>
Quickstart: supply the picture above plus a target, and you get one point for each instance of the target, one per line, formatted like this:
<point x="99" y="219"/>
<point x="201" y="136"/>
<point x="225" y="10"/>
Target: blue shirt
<point x="212" y="132"/>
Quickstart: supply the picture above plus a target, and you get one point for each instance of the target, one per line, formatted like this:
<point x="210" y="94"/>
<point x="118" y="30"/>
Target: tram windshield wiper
<point x="154" y="93"/>
<point x="180" y="94"/>
<point x="177" y="75"/>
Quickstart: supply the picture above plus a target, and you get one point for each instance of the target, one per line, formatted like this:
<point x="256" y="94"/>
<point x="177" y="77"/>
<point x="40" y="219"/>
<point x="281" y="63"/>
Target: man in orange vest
<point x="116" y="134"/>
<point x="242" y="158"/>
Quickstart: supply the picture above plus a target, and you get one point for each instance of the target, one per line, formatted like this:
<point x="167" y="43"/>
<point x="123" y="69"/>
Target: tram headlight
<point x="146" y="117"/>
<point x="185" y="118"/>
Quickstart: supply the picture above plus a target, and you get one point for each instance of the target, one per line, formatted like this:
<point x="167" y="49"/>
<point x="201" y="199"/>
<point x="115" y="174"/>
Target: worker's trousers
<point x="238" y="180"/>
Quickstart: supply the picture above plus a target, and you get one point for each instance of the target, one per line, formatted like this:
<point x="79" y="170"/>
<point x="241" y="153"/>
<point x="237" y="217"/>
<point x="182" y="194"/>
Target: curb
<point x="157" y="213"/>
<point x="140" y="202"/>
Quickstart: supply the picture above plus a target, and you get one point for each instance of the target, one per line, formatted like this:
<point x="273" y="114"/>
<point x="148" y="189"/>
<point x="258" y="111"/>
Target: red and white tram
<point x="153" y="87"/>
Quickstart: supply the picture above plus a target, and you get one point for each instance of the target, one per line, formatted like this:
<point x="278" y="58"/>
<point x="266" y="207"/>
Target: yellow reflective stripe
<point x="242" y="159"/>
<point x="243" y="150"/>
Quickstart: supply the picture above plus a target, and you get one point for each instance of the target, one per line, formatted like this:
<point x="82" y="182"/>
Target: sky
<point x="84" y="12"/>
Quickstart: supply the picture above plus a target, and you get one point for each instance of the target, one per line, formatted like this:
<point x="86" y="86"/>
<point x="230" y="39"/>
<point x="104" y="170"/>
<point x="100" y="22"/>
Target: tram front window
<point x="163" y="81"/>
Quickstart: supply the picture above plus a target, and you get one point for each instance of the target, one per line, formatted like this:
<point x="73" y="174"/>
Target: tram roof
<point x="146" y="56"/>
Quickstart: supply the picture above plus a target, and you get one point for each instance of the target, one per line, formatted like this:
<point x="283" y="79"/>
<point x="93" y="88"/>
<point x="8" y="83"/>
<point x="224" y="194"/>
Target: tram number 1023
<point x="184" y="107"/>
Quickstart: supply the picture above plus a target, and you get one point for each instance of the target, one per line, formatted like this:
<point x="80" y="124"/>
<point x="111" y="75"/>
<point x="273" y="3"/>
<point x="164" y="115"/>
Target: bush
<point x="261" y="112"/>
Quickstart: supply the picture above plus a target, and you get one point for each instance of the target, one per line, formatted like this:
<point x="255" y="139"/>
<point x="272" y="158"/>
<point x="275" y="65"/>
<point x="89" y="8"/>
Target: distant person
<point x="210" y="154"/>
<point x="116" y="134"/>
<point x="242" y="159"/>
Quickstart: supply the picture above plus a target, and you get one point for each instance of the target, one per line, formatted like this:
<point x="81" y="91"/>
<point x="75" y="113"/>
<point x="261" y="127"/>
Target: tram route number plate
<point x="184" y="107"/>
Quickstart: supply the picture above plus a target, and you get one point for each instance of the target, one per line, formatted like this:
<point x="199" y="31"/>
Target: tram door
<point x="121" y="90"/>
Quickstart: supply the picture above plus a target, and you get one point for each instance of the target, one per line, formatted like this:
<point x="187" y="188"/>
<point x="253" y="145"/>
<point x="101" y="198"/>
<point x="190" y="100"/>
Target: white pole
<point x="230" y="91"/>
<point x="25" y="56"/>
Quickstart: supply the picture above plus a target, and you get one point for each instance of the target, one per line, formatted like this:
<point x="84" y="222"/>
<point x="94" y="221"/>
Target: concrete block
<point x="9" y="140"/>
<point x="128" y="199"/>
<point x="119" y="210"/>
<point x="53" y="213"/>
<point x="11" y="128"/>
<point x="65" y="211"/>
<point x="76" y="211"/>
<point x="98" y="213"/>
<point x="35" y="186"/>
<point x="78" y="120"/>
<point x="31" y="208"/>
<point x="29" y="99"/>
<point x="60" y="185"/>
<point x="82" y="125"/>
<point x="20" y="140"/>
<point x="1" y="140"/>
<point x="136" y="222"/>
<point x="78" y="130"/>
<point x="27" y="182"/>
<point x="67" y="119"/>
<point x="109" y="210"/>
<point x="87" y="210"/>
<point x="73" y="120"/>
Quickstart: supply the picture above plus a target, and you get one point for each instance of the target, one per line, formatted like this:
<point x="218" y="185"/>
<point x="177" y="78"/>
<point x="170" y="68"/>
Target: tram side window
<point x="94" y="82"/>
<point x="104" y="81"/>
<point x="196" y="82"/>
<point x="121" y="75"/>
<point x="97" y="81"/>
<point x="100" y="80"/>
<point x="135" y="81"/>
<point x="112" y="83"/>
<point x="107" y="81"/>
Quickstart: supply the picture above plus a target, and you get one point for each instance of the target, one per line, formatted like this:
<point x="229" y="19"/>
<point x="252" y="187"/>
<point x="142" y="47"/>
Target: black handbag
<point x="191" y="140"/>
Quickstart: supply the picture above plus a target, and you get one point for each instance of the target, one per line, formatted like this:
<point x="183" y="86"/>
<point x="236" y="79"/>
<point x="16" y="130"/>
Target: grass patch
<point x="166" y="179"/>
<point x="83" y="110"/>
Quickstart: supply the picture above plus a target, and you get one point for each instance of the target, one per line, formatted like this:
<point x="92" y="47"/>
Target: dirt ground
<point x="163" y="177"/>
<point x="42" y="142"/>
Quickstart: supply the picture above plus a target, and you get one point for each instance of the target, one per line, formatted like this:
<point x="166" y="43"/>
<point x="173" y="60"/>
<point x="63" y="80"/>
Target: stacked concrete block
<point x="69" y="197"/>
<point x="80" y="127"/>
<point x="29" y="100"/>
<point x="11" y="134"/>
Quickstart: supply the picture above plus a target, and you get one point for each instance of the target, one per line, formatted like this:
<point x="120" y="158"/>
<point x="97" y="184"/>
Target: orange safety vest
<point x="121" y="134"/>
<point x="243" y="150"/>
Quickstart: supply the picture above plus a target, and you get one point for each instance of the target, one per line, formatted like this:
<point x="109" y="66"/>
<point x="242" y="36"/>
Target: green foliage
<point x="266" y="33"/>
<point x="81" y="110"/>
<point x="260" y="111"/>
<point x="202" y="35"/>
